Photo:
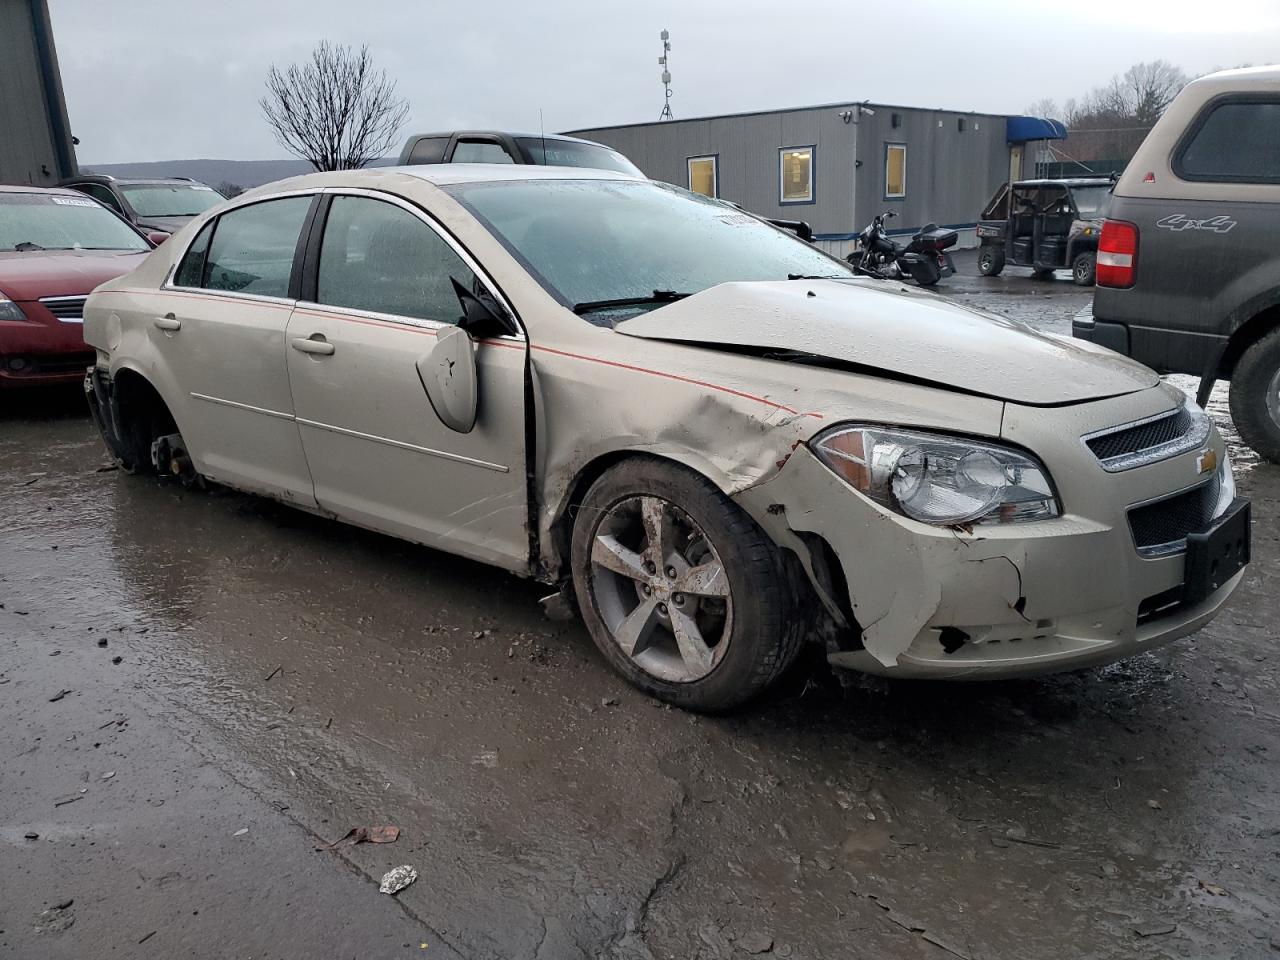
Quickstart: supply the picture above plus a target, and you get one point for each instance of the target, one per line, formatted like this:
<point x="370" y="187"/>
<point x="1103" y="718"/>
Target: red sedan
<point x="55" y="247"/>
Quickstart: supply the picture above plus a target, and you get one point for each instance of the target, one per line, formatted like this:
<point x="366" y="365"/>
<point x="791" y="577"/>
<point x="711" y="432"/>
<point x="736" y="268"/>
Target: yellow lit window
<point x="796" y="175"/>
<point x="702" y="176"/>
<point x="895" y="169"/>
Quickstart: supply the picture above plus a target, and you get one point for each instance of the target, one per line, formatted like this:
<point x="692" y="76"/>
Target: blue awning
<point x="1022" y="129"/>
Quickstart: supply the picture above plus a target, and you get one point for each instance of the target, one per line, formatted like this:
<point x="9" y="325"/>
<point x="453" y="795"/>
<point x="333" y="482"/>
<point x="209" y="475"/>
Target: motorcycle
<point x="923" y="260"/>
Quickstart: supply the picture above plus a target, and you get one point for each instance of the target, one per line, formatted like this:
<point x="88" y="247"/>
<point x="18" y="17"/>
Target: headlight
<point x="939" y="479"/>
<point x="10" y="310"/>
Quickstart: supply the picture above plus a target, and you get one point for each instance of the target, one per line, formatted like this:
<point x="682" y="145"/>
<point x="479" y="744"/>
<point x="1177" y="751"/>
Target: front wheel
<point x="990" y="261"/>
<point x="1083" y="269"/>
<point x="1255" y="396"/>
<point x="682" y="592"/>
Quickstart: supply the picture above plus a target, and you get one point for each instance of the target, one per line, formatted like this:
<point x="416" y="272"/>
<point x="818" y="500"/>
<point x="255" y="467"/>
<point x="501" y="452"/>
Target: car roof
<point x="449" y="173"/>
<point x="504" y="133"/>
<point x="108" y="178"/>
<point x="1065" y="182"/>
<point x="24" y="188"/>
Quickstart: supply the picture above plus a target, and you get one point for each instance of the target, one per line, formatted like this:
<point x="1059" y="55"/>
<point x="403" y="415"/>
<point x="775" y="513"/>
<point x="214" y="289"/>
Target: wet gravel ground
<point x="257" y="681"/>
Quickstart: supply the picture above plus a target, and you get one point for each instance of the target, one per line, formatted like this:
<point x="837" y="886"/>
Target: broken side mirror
<point x="482" y="316"/>
<point x="448" y="374"/>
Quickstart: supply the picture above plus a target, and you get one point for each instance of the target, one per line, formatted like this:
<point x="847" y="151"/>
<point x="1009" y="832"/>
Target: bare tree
<point x="1044" y="107"/>
<point x="229" y="189"/>
<point x="1150" y="87"/>
<point x="334" y="111"/>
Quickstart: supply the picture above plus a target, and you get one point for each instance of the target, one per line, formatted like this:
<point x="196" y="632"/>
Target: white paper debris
<point x="397" y="879"/>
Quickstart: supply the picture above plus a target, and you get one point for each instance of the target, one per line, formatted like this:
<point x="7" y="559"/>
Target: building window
<point x="895" y="171"/>
<point x="795" y="175"/>
<point x="702" y="176"/>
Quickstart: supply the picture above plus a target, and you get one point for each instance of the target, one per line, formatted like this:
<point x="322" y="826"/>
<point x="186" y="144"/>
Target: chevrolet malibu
<point x="707" y="435"/>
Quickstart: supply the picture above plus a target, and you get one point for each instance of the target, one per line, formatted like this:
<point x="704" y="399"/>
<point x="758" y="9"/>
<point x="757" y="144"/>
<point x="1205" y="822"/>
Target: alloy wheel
<point x="661" y="589"/>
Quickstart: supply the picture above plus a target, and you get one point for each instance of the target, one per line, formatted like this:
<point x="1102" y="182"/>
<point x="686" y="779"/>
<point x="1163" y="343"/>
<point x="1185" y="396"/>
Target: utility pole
<point x="666" y="77"/>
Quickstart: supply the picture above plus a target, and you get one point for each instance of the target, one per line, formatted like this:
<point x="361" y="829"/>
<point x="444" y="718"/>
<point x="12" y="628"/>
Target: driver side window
<point x="379" y="257"/>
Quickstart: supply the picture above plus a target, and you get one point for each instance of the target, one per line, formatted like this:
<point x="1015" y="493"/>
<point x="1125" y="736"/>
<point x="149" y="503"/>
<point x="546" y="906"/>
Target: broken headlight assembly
<point x="939" y="479"/>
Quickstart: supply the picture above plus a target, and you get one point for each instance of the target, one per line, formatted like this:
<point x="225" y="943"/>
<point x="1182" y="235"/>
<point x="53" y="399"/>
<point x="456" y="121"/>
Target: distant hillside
<point x="243" y="173"/>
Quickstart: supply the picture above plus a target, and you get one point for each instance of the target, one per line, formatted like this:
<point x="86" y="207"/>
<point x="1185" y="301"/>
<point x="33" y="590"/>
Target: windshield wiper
<point x="658" y="296"/>
<point x="817" y="276"/>
<point x="26" y="245"/>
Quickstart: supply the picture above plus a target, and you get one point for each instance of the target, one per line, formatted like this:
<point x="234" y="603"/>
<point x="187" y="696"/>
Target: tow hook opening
<point x="952" y="638"/>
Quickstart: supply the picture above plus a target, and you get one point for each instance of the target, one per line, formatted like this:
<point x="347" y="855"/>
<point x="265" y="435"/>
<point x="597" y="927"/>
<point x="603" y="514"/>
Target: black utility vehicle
<point x="1046" y="225"/>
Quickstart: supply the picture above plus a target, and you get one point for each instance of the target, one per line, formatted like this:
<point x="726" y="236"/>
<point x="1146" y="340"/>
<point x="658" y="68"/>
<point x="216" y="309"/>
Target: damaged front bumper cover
<point x="1006" y="600"/>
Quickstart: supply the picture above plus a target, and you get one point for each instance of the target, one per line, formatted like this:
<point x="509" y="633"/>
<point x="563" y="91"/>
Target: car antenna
<point x="542" y="129"/>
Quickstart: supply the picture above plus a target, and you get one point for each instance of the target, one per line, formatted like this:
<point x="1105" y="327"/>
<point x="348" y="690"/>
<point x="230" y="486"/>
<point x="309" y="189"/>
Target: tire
<point x="990" y="261"/>
<point x="1255" y="396"/>
<point x="760" y="630"/>
<point x="1084" y="268"/>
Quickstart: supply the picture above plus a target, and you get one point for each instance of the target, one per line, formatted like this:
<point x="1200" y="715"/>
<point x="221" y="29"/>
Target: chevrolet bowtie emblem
<point x="1207" y="462"/>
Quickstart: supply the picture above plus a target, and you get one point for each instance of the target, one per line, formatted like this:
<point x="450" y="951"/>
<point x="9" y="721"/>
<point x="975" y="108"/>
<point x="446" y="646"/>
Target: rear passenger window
<point x="480" y="151"/>
<point x="377" y="256"/>
<point x="1238" y="142"/>
<point x="191" y="270"/>
<point x="429" y="150"/>
<point x="252" y="248"/>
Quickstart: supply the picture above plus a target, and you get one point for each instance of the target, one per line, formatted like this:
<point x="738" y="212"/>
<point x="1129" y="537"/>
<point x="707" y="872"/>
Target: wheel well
<point x="1249" y="333"/>
<point x="562" y="526"/>
<point x="142" y="415"/>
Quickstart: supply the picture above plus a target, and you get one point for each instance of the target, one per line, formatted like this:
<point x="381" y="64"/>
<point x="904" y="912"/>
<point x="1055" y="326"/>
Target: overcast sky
<point x="176" y="79"/>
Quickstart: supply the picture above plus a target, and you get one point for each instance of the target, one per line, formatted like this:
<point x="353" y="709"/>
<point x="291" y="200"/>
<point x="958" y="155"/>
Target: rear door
<point x="220" y="326"/>
<point x="377" y="288"/>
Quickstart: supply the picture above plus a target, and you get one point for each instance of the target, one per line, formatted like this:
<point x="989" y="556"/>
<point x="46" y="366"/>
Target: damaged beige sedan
<point x="709" y="436"/>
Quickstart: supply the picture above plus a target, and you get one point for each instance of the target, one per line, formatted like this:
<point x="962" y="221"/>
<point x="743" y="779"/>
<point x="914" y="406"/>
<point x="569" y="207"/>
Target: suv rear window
<point x="1238" y="141"/>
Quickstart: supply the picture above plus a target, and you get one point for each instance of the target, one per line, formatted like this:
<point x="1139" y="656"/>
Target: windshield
<point x="170" y="200"/>
<point x="1092" y="202"/>
<point x="593" y="241"/>
<point x="47" y="221"/>
<point x="569" y="153"/>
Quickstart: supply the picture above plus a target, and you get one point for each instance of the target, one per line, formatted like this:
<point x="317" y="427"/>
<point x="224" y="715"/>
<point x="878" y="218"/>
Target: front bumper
<point x="1015" y="600"/>
<point x="41" y="350"/>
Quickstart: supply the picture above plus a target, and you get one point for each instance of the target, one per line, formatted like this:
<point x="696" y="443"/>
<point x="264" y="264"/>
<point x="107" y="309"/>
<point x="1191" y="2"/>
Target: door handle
<point x="168" y="322"/>
<point x="315" y="344"/>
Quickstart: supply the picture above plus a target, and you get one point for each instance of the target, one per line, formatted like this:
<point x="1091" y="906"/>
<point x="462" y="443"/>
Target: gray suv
<point x="1188" y="271"/>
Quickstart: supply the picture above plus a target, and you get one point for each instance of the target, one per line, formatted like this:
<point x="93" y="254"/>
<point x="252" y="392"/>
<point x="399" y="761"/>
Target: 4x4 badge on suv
<point x="1180" y="221"/>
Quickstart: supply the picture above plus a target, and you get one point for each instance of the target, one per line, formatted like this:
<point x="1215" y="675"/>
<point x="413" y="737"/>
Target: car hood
<point x="884" y="329"/>
<point x="61" y="273"/>
<point x="165" y="224"/>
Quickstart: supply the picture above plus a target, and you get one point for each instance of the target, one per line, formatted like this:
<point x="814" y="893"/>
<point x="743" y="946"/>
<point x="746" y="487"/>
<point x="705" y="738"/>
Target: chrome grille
<point x="66" y="309"/>
<point x="1146" y="441"/>
<point x="1161" y="527"/>
<point x="1144" y="436"/>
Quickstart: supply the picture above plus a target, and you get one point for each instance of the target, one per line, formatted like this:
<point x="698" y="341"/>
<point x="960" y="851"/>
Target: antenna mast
<point x="666" y="77"/>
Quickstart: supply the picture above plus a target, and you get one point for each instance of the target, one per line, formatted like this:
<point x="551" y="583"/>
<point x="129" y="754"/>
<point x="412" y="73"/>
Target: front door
<point x="378" y="453"/>
<point x="220" y="327"/>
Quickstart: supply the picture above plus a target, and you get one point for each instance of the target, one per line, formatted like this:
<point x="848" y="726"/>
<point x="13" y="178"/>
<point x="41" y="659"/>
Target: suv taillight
<point x="1117" y="254"/>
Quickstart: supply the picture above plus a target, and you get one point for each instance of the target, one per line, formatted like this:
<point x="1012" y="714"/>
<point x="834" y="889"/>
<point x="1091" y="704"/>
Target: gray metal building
<point x="36" y="146"/>
<point x="838" y="164"/>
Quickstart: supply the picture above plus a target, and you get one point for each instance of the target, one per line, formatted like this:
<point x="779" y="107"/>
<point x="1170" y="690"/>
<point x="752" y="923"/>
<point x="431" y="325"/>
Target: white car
<point x="711" y="436"/>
